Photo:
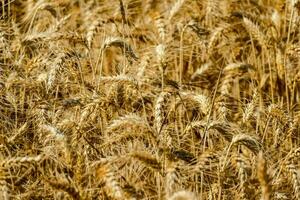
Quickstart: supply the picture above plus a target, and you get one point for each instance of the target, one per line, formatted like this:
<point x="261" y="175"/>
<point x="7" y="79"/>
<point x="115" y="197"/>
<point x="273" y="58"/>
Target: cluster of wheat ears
<point x="150" y="99"/>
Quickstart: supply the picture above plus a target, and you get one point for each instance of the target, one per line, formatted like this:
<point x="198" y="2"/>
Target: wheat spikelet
<point x="222" y="109"/>
<point x="291" y="50"/>
<point x="214" y="38"/>
<point x="130" y="120"/>
<point x="236" y="67"/>
<point x="128" y="136"/>
<point x="276" y="19"/>
<point x="86" y="112"/>
<point x="230" y="71"/>
<point x="277" y="114"/>
<point x="107" y="174"/>
<point x="119" y="79"/>
<point x="18" y="133"/>
<point x="91" y="31"/>
<point x="143" y="65"/>
<point x="175" y="8"/>
<point x="54" y="131"/>
<point x="171" y="178"/>
<point x="54" y="67"/>
<point x="196" y="125"/>
<point x="118" y="42"/>
<point x="59" y="137"/>
<point x="31" y="14"/>
<point x="122" y="10"/>
<point x="294" y="154"/>
<point x="249" y="109"/>
<point x="35" y="39"/>
<point x="65" y="186"/>
<point x="247" y="140"/>
<point x="280" y="63"/>
<point x="146" y="159"/>
<point x="159" y="113"/>
<point x="160" y="51"/>
<point x="40" y="114"/>
<point x="263" y="177"/>
<point x="226" y="85"/>
<point x="208" y="160"/>
<point x="255" y="32"/>
<point x="200" y="31"/>
<point x="161" y="27"/>
<point x="198" y="100"/>
<point x="21" y="160"/>
<point x="183" y="195"/>
<point x="243" y="139"/>
<point x="295" y="180"/>
<point x="223" y="128"/>
<point x="4" y="190"/>
<point x="60" y="23"/>
<point x="204" y="68"/>
<point x="242" y="175"/>
<point x="3" y="41"/>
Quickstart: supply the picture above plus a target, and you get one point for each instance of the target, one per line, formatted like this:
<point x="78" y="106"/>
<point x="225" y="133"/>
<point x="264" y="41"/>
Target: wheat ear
<point x="263" y="177"/>
<point x="183" y="195"/>
<point x="65" y="186"/>
<point x="107" y="174"/>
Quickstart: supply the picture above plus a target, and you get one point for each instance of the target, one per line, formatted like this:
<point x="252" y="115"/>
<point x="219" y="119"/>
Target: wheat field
<point x="150" y="99"/>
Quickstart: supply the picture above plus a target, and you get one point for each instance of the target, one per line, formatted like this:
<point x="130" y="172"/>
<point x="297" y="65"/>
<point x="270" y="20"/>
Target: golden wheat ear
<point x="118" y="42"/>
<point x="249" y="141"/>
<point x="148" y="159"/>
<point x="4" y="189"/>
<point x="107" y="174"/>
<point x="183" y="195"/>
<point x="65" y="186"/>
<point x="263" y="177"/>
<point x="159" y="112"/>
<point x="21" y="160"/>
<point x="175" y="9"/>
<point x="92" y="30"/>
<point x="255" y="32"/>
<point x="171" y="178"/>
